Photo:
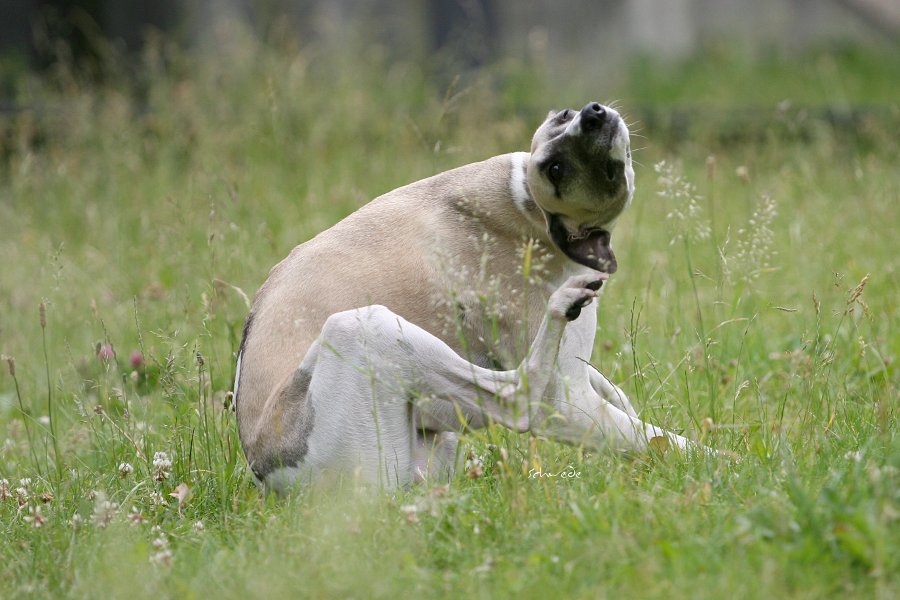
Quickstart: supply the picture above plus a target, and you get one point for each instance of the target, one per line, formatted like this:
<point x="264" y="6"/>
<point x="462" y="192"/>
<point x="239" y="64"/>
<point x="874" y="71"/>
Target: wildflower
<point x="22" y="495"/>
<point x="162" y="558"/>
<point x="474" y="466"/>
<point x="35" y="517"/>
<point x="105" y="352"/>
<point x="163" y="465"/>
<point x="44" y="420"/>
<point x="5" y="494"/>
<point x="135" y="517"/>
<point x="685" y="213"/>
<point x="409" y="512"/>
<point x="743" y="173"/>
<point x="157" y="499"/>
<point x="25" y="482"/>
<point x="125" y="469"/>
<point x="104" y="510"/>
<point x="754" y="242"/>
<point x="47" y="497"/>
<point x="199" y="526"/>
<point x="161" y="542"/>
<point x="76" y="521"/>
<point x="136" y="360"/>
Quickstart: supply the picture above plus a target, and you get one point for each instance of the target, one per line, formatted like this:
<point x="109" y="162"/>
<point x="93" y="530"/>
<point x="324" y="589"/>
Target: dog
<point x="451" y="303"/>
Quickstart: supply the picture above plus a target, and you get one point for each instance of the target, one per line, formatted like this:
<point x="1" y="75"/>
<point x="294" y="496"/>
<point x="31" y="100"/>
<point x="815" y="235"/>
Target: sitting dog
<point x="450" y="303"/>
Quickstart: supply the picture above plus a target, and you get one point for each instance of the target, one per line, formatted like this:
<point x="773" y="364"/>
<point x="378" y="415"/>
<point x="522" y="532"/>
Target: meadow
<point x="755" y="309"/>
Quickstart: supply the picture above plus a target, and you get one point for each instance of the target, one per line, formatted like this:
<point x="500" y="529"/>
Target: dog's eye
<point x="555" y="172"/>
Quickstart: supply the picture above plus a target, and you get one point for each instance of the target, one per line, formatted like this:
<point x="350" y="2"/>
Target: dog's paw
<point x="576" y="293"/>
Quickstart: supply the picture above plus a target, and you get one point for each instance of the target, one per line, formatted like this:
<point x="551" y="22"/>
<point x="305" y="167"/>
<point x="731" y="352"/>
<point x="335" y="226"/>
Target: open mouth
<point x="588" y="247"/>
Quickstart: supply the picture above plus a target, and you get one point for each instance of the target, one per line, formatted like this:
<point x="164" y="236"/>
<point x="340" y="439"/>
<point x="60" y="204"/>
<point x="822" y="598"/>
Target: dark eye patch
<point x="556" y="169"/>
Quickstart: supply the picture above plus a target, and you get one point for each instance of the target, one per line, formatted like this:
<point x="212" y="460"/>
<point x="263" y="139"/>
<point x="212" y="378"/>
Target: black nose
<point x="593" y="115"/>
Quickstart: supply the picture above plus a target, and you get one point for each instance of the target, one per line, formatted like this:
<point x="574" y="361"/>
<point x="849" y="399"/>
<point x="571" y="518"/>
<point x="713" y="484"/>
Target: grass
<point x="138" y="215"/>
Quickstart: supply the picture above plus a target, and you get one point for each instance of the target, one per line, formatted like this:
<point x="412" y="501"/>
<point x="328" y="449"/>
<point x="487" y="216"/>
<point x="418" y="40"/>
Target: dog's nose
<point x="593" y="115"/>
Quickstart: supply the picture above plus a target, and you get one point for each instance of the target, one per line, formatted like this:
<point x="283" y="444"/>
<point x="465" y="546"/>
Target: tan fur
<point x="403" y="250"/>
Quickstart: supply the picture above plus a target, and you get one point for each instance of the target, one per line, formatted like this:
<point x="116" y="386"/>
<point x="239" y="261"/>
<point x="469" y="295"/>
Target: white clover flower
<point x="22" y="496"/>
<point x="474" y="466"/>
<point x="35" y="517"/>
<point x="5" y="494"/>
<point x="135" y="517"/>
<point x="163" y="465"/>
<point x="125" y="469"/>
<point x="104" y="510"/>
<point x="163" y="558"/>
<point x="160" y="543"/>
<point x="76" y="521"/>
<point x="157" y="499"/>
<point x="409" y="512"/>
<point x="199" y="526"/>
<point x="25" y="482"/>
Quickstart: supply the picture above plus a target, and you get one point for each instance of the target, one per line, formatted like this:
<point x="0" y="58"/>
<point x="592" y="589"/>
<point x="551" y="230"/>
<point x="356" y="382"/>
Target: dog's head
<point x="580" y="175"/>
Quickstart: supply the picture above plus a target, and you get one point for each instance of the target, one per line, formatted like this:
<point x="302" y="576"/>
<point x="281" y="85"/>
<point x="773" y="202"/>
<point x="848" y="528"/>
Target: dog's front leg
<point x="512" y="398"/>
<point x="541" y="364"/>
<point x="584" y="407"/>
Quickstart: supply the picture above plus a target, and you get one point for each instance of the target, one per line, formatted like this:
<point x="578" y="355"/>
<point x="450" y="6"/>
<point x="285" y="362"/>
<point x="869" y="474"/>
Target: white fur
<point x="517" y="184"/>
<point x="237" y="376"/>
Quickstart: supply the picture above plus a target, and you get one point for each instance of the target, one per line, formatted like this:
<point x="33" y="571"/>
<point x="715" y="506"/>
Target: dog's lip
<point x="588" y="246"/>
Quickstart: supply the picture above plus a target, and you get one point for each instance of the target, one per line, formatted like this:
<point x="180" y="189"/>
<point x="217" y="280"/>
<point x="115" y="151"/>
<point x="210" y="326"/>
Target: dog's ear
<point x="551" y="114"/>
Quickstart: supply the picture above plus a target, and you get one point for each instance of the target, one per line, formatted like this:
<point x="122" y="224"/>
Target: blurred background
<point x="672" y="63"/>
<point x="598" y="37"/>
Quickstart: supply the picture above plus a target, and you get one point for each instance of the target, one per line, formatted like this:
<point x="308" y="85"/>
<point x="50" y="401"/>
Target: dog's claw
<point x="573" y="312"/>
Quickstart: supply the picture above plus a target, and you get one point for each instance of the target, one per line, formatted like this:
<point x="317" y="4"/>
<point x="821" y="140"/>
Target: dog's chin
<point x="587" y="246"/>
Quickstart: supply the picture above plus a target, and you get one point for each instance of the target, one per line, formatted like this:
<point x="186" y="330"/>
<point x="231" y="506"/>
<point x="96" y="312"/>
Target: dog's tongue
<point x="589" y="248"/>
